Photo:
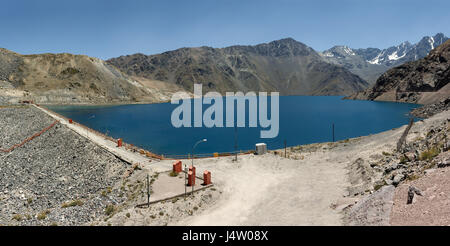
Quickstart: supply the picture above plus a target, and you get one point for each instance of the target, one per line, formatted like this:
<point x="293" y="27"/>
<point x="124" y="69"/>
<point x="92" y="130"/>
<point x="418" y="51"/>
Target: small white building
<point x="261" y="148"/>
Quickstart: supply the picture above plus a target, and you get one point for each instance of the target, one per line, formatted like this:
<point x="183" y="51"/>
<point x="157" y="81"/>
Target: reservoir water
<point x="302" y="120"/>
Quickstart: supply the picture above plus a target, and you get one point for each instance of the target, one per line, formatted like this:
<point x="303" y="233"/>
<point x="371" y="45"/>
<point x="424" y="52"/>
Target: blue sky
<point x="110" y="28"/>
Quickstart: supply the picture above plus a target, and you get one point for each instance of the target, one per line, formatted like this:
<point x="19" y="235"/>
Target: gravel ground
<point x="432" y="208"/>
<point x="57" y="178"/>
<point x="164" y="213"/>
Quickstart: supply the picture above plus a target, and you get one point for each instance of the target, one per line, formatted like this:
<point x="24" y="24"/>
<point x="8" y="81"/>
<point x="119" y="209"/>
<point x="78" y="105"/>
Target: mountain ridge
<point x="69" y="79"/>
<point x="284" y="65"/>
<point x="424" y="81"/>
<point x="370" y="63"/>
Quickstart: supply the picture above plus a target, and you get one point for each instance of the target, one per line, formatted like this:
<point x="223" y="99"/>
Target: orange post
<point x="191" y="178"/>
<point x="119" y="142"/>
<point x="192" y="169"/>
<point x="206" y="177"/>
<point x="177" y="166"/>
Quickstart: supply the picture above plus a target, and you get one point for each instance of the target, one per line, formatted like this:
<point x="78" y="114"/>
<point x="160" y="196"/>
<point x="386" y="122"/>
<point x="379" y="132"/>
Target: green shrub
<point x="173" y="174"/>
<point x="429" y="154"/>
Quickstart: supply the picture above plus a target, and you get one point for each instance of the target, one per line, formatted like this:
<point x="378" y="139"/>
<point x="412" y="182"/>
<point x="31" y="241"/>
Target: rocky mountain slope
<point x="67" y="78"/>
<point x="286" y="65"/>
<point x="424" y="81"/>
<point x="370" y="63"/>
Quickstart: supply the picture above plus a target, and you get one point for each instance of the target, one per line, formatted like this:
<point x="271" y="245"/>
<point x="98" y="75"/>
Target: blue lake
<point x="302" y="120"/>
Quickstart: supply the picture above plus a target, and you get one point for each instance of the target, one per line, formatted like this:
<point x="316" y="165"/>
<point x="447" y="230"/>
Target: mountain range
<point x="424" y="81"/>
<point x="370" y="63"/>
<point x="287" y="66"/>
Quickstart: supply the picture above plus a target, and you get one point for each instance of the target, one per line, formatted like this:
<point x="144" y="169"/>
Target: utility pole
<point x="285" y="149"/>
<point x="185" y="178"/>
<point x="148" y="191"/>
<point x="192" y="155"/>
<point x="235" y="143"/>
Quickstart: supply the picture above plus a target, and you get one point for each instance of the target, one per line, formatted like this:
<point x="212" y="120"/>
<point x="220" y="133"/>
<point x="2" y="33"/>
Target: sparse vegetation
<point x="378" y="186"/>
<point x="110" y="209"/>
<point x="173" y="174"/>
<point x="128" y="215"/>
<point x="403" y="159"/>
<point x="412" y="177"/>
<point x="70" y="71"/>
<point x="429" y="154"/>
<point x="72" y="203"/>
<point x="17" y="217"/>
<point x="107" y="191"/>
<point x="43" y="215"/>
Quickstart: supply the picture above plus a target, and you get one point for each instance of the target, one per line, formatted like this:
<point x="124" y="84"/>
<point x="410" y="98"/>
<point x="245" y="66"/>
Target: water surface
<point x="303" y="120"/>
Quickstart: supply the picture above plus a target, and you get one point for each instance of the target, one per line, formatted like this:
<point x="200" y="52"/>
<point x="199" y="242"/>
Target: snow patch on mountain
<point x="395" y="57"/>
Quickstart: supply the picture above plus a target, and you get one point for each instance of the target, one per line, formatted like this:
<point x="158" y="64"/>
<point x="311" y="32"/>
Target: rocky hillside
<point x="57" y="178"/>
<point x="424" y="81"/>
<point x="67" y="78"/>
<point x="370" y="63"/>
<point x="286" y="65"/>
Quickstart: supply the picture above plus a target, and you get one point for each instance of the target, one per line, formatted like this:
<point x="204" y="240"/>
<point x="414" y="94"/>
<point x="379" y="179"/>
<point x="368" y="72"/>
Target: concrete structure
<point x="261" y="148"/>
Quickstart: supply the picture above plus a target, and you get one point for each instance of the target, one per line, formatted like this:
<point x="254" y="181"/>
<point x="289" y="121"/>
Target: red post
<point x="206" y="177"/>
<point x="192" y="169"/>
<point x="119" y="142"/>
<point x="70" y="121"/>
<point x="176" y="166"/>
<point x="191" y="178"/>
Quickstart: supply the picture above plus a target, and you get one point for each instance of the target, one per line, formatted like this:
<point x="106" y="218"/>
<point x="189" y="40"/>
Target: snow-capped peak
<point x="348" y="50"/>
<point x="431" y="41"/>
